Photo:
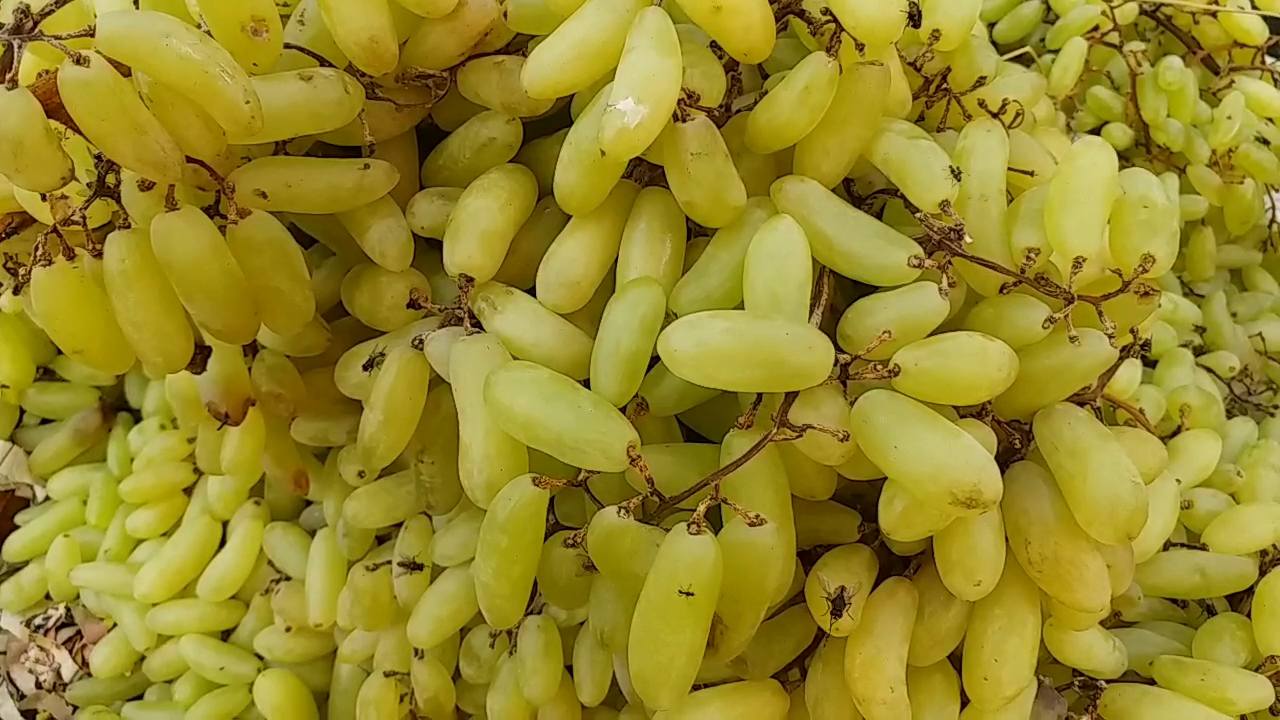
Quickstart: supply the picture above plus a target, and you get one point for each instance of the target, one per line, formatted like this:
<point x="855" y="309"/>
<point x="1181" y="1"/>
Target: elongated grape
<point x="487" y="456"/>
<point x="112" y="116"/>
<point x="1099" y="482"/>
<point x="959" y="475"/>
<point x="1079" y="201"/>
<point x="1054" y="368"/>
<point x="71" y="306"/>
<point x="180" y="56"/>
<point x="673" y="616"/>
<point x="625" y="341"/>
<point x="530" y="331"/>
<point x="701" y="172"/>
<point x="537" y="406"/>
<point x="312" y="185"/>
<point x="795" y="106"/>
<point x="844" y="238"/>
<point x="830" y="150"/>
<point x="494" y="82"/>
<point x="989" y="368"/>
<point x="249" y="29"/>
<point x="583" y="48"/>
<point x="708" y="349"/>
<point x="910" y="158"/>
<point x="1002" y="641"/>
<point x="1132" y="701"/>
<point x="443" y="42"/>
<point x="1195" y="574"/>
<point x="508" y="550"/>
<point x="486" y="218"/>
<point x="645" y="88"/>
<point x="748" y="36"/>
<point x="30" y="154"/>
<point x="875" y="661"/>
<point x="579" y="259"/>
<point x="365" y="32"/>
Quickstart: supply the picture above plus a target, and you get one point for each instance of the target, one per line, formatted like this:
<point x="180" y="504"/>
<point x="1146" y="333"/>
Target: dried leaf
<point x="15" y="473"/>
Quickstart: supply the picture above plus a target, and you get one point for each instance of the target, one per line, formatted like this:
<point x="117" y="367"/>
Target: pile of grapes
<point x="596" y="359"/>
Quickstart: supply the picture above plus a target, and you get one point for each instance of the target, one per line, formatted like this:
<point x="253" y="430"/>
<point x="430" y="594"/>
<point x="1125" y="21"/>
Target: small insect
<point x="374" y="361"/>
<point x="956" y="173"/>
<point x="915" y="18"/>
<point x="839" y="599"/>
<point x="685" y="591"/>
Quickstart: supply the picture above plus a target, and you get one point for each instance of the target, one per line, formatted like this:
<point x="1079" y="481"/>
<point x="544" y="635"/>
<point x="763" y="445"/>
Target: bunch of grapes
<point x="622" y="359"/>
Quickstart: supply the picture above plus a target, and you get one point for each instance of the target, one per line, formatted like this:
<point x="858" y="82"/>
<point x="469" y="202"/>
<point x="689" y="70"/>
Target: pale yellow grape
<point x="30" y="154"/>
<point x="1243" y="529"/>
<point x="486" y="218"/>
<point x="1195" y="574"/>
<point x="504" y="696"/>
<point x="198" y="134"/>
<point x="875" y="24"/>
<point x="625" y="341"/>
<point x="587" y="45"/>
<point x="275" y="269"/>
<point x="1230" y="690"/>
<point x="311" y="185"/>
<point x="72" y="307"/>
<point x="739" y="352"/>
<point x="1002" y="641"/>
<point x="795" y="106"/>
<point x="180" y="56"/>
<point x="948" y="23"/>
<point x="584" y="175"/>
<point x="904" y="315"/>
<point x="586" y="432"/>
<point x="279" y="695"/>
<point x="1142" y="223"/>
<point x="844" y="238"/>
<point x="1051" y="548"/>
<point x="221" y="703"/>
<point x="393" y="407"/>
<point x="539" y="659"/>
<point x="249" y="29"/>
<point x="941" y="619"/>
<point x="580" y="257"/>
<point x="1132" y="701"/>
<point x="988" y="368"/>
<point x="903" y="518"/>
<point x="508" y="550"/>
<point x="520" y="266"/>
<point x="970" y="554"/>
<point x="231" y="567"/>
<point x="875" y="661"/>
<point x="747" y="33"/>
<point x="377" y="297"/>
<point x="955" y="473"/>
<point x="1053" y="369"/>
<point x="701" y="172"/>
<point x="202" y="270"/>
<point x="653" y="240"/>
<point x="837" y="586"/>
<point x="149" y="313"/>
<point x="429" y="210"/>
<point x="183" y="557"/>
<point x="302" y="102"/>
<point x="111" y="115"/>
<point x="1079" y="202"/>
<point x="646" y="85"/>
<point x="530" y="331"/>
<point x="1099" y="482"/>
<point x="384" y="502"/>
<point x="305" y="28"/>
<point x="443" y="42"/>
<point x="494" y="82"/>
<point x="1094" y="651"/>
<point x="1016" y="319"/>
<point x="485" y="141"/>
<point x="487" y="456"/>
<point x="673" y="616"/>
<point x="982" y="155"/>
<point x="828" y="152"/>
<point x="703" y="72"/>
<point x="911" y="160"/>
<point x="365" y="32"/>
<point x="33" y="538"/>
<point x="760" y="484"/>
<point x="187" y="615"/>
<point x="714" y="281"/>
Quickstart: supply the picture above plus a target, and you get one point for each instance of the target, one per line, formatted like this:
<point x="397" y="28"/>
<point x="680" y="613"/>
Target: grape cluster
<point x="687" y="360"/>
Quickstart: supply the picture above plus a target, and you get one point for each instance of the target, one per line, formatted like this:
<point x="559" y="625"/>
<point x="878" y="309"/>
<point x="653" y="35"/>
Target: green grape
<point x="312" y="185"/>
<point x="653" y="240"/>
<point x="778" y="271"/>
<point x="111" y="115"/>
<point x="530" y="331"/>
<point x="482" y="143"/>
<point x="624" y="343"/>
<point x="708" y="349"/>
<point x="506" y="558"/>
<point x="71" y="305"/>
<point x="539" y="659"/>
<point x="249" y="29"/>
<point x="829" y="151"/>
<point x="958" y="475"/>
<point x="221" y="704"/>
<point x="494" y="82"/>
<point x="1132" y="701"/>
<point x="947" y="24"/>
<point x="524" y="398"/>
<point x="837" y="587"/>
<point x="982" y="156"/>
<point x="30" y="155"/>
<point x="795" y="106"/>
<point x="970" y="554"/>
<point x="279" y="695"/>
<point x="444" y="41"/>
<point x="673" y="616"/>
<point x="1054" y="368"/>
<point x="1016" y="319"/>
<point x="646" y="85"/>
<point x="916" y="164"/>
<point x="993" y="366"/>
<point x="33" y="539"/>
<point x="715" y="280"/>
<point x="190" y="615"/>
<point x="580" y="257"/>
<point x="1195" y="574"/>
<point x="231" y="567"/>
<point x="882" y="255"/>
<point x="941" y="619"/>
<point x="1227" y="639"/>
<point x="903" y="519"/>
<point x="700" y="171"/>
<point x="587" y="45"/>
<point x="178" y="55"/>
<point x="874" y="24"/>
<point x="1001" y="643"/>
<point x="364" y="32"/>
<point x="748" y="36"/>
<point x="1079" y="201"/>
<point x="875" y="661"/>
